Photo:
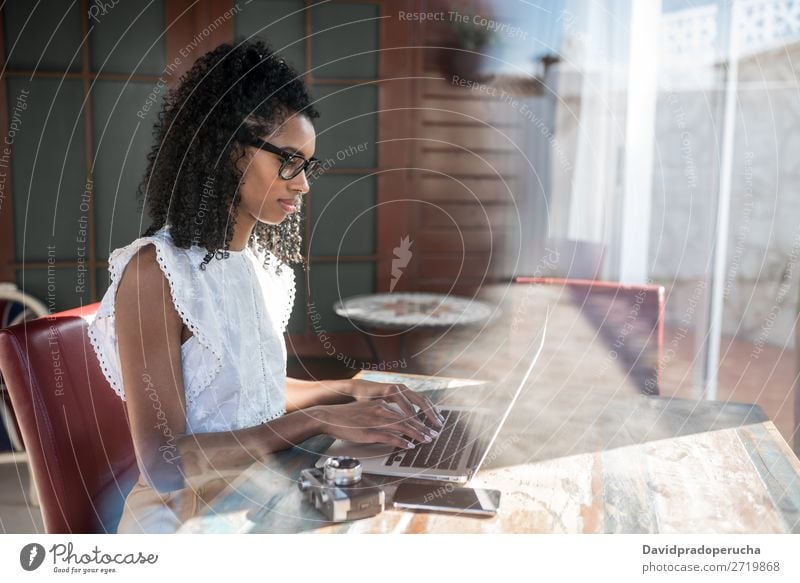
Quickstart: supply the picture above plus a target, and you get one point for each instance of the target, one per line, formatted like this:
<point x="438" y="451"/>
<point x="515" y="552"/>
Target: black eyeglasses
<point x="293" y="164"/>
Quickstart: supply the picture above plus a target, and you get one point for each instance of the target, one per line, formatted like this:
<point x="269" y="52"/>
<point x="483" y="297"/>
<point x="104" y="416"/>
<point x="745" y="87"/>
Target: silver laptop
<point x="459" y="450"/>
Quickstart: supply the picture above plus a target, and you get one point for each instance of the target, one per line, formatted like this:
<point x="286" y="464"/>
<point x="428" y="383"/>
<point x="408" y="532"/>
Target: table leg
<point x="374" y="350"/>
<point x="404" y="348"/>
<point x="375" y="358"/>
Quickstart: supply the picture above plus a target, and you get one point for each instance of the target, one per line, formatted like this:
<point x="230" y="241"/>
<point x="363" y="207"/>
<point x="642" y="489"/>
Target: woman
<point x="190" y="331"/>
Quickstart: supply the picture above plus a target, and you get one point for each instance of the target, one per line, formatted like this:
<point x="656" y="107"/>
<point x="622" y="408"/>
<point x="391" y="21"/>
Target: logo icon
<point x="402" y="255"/>
<point x="31" y="556"/>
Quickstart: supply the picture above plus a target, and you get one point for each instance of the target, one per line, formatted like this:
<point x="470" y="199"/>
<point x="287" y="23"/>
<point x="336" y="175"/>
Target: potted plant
<point x="469" y="59"/>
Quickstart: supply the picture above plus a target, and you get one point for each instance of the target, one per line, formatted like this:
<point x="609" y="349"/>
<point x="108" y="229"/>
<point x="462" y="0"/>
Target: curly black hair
<point x="230" y="96"/>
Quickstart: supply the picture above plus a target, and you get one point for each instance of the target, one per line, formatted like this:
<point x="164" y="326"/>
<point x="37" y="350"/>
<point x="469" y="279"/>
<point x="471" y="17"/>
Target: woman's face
<point x="265" y="196"/>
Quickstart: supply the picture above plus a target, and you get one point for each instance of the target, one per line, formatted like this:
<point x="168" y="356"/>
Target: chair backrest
<point x="628" y="318"/>
<point x="74" y="427"/>
<point x="16" y="307"/>
<point x="568" y="259"/>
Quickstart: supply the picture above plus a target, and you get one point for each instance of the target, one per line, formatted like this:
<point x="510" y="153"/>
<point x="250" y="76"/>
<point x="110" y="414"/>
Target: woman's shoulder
<point x="156" y="244"/>
<point x="144" y="275"/>
<point x="145" y="263"/>
<point x="148" y="275"/>
<point x="156" y="252"/>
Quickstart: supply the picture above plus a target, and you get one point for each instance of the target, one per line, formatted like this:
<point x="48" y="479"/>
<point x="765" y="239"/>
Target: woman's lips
<point x="287" y="204"/>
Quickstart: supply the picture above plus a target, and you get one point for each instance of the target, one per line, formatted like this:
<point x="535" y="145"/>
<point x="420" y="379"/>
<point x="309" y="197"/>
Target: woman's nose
<point x="300" y="183"/>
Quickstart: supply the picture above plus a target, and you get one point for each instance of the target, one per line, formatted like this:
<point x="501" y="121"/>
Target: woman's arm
<point x="206" y="455"/>
<point x="303" y="394"/>
<point x="149" y="336"/>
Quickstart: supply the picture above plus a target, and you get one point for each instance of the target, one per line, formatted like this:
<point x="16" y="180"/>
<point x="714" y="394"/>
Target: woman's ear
<point x="241" y="156"/>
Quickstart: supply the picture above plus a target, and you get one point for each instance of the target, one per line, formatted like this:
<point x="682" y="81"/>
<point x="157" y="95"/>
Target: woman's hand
<point x="372" y="421"/>
<point x="405" y="398"/>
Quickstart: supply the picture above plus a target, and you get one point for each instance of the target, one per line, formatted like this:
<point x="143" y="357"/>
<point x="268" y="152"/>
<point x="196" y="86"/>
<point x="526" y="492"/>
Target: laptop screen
<point x="528" y="360"/>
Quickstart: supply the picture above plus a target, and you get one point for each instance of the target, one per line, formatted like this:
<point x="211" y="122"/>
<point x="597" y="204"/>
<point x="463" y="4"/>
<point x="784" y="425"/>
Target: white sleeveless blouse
<point x="234" y="365"/>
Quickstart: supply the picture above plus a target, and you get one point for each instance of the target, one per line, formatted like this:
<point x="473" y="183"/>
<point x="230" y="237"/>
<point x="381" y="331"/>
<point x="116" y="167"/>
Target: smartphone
<point x="445" y="497"/>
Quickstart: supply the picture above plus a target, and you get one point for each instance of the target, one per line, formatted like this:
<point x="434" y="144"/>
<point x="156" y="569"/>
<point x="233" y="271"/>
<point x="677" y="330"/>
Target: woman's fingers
<point x="410" y="425"/>
<point x="410" y="428"/>
<point x="382" y="422"/>
<point x="385" y="437"/>
<point x="407" y="398"/>
<point x="406" y="405"/>
<point x="378" y="415"/>
<point x="427" y="407"/>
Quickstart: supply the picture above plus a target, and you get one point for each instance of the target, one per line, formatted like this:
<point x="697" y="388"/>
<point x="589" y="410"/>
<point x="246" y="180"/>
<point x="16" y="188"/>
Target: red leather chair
<point x="15" y="307"/>
<point x="74" y="427"/>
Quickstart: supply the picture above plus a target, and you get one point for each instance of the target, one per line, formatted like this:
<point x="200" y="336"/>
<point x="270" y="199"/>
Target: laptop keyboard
<point x="445" y="451"/>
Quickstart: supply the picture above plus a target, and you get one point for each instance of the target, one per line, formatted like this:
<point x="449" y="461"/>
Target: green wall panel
<point x="347" y="126"/>
<point x="341" y="32"/>
<point x="281" y="23"/>
<point x="122" y="140"/>
<point x="331" y="282"/>
<point x="127" y="38"/>
<point x="49" y="171"/>
<point x="297" y="321"/>
<point x="27" y="45"/>
<point x="58" y="289"/>
<point x="343" y="215"/>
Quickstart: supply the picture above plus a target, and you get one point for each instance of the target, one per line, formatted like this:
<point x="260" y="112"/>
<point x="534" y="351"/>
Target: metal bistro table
<point x="400" y="313"/>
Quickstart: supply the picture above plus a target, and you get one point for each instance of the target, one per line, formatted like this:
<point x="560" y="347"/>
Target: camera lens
<point x="346" y="463"/>
<point x="342" y="470"/>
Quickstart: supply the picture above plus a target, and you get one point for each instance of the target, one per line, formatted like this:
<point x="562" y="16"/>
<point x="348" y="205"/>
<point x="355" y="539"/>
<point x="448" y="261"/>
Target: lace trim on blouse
<point x="183" y="265"/>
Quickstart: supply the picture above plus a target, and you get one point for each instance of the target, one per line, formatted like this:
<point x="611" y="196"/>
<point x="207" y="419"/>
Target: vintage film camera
<point x="339" y="492"/>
